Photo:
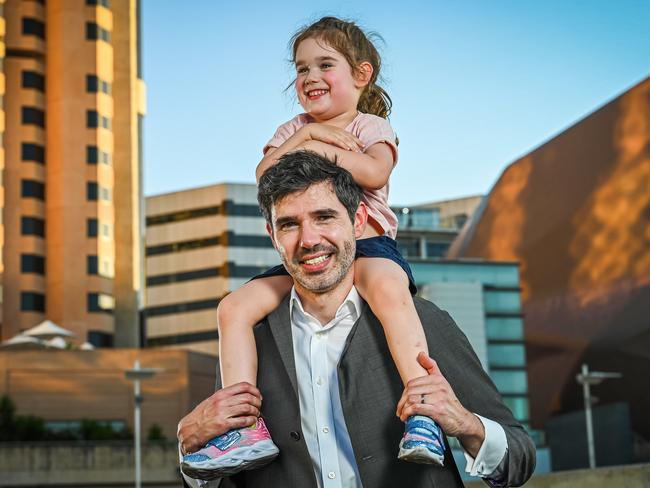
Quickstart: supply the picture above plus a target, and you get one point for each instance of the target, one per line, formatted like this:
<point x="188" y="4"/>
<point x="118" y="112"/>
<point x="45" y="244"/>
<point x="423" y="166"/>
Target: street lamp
<point x="136" y="374"/>
<point x="587" y="378"/>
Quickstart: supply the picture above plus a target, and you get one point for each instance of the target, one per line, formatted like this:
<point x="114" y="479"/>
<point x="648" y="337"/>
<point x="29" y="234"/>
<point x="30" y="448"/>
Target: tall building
<point x="575" y="212"/>
<point x="200" y="244"/>
<point x="72" y="207"/>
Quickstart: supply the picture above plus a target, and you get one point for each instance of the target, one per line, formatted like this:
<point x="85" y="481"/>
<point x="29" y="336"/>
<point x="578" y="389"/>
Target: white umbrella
<point x="48" y="330"/>
<point x="23" y="342"/>
<point x="56" y="343"/>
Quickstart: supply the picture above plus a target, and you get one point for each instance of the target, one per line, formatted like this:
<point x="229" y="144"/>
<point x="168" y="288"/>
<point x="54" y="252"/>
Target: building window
<point x="31" y="301"/>
<point x="92" y="265"/>
<point x="100" y="302"/>
<point x="34" y="116"/>
<point x="92" y="154"/>
<point x="31" y="79"/>
<point x="32" y="189"/>
<point x="409" y="247"/>
<point x="510" y="381"/>
<point x="105" y="193"/>
<point x="95" y="84"/>
<point x="91" y="190"/>
<point x="94" y="120"/>
<point x="506" y="355"/>
<point x="96" y="33"/>
<point x="32" y="226"/>
<point x="33" y="152"/>
<point x="436" y="249"/>
<point x="99" y="338"/>
<point x="103" y="3"/>
<point x="32" y="263"/>
<point x="33" y="27"/>
<point x="91" y="227"/>
<point x="106" y="230"/>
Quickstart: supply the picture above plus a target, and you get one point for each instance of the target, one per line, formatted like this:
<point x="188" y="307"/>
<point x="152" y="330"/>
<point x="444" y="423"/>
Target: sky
<point x="475" y="84"/>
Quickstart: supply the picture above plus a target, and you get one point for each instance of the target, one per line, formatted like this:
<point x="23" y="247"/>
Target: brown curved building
<point x="575" y="213"/>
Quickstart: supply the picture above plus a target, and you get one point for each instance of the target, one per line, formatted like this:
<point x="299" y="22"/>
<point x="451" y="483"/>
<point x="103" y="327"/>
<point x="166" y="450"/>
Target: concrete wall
<point x="632" y="476"/>
<point x="68" y="465"/>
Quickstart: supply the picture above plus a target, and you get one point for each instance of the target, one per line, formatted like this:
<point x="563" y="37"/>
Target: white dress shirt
<point x="317" y="350"/>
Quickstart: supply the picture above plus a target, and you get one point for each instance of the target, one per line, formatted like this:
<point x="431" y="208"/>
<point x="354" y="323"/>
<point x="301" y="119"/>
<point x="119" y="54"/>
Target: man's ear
<point x="360" y="220"/>
<point x="269" y="231"/>
<point x="363" y="74"/>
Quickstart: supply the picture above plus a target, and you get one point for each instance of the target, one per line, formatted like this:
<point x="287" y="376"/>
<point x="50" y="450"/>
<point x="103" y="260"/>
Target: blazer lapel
<point x="280" y="324"/>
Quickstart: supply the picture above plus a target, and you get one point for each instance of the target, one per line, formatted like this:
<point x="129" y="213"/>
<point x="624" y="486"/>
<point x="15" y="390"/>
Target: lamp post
<point x="587" y="378"/>
<point x="136" y="374"/>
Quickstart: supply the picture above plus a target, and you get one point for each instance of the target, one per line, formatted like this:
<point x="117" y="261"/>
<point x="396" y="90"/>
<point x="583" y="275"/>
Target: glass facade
<point x="503" y="321"/>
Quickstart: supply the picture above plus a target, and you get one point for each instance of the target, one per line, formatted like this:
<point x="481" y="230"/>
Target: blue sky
<point x="475" y="84"/>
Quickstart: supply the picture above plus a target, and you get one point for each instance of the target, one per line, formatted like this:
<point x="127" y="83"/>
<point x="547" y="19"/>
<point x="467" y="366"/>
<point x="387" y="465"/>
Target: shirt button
<point x="326" y="430"/>
<point x="295" y="435"/>
<point x="331" y="475"/>
<point x="319" y="381"/>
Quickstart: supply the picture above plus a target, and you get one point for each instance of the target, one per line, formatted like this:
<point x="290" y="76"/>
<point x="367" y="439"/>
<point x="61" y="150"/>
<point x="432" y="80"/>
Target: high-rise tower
<point x="72" y="180"/>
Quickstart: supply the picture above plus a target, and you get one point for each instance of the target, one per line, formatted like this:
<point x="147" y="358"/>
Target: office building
<point x="575" y="213"/>
<point x="71" y="167"/>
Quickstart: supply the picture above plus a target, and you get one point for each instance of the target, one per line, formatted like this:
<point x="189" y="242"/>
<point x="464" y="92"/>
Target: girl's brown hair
<point x="355" y="46"/>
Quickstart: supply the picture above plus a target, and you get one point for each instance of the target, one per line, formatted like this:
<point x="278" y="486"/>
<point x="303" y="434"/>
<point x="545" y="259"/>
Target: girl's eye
<point x="325" y="66"/>
<point x="301" y="70"/>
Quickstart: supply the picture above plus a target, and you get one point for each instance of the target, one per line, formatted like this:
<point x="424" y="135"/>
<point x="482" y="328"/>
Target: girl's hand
<point x="334" y="136"/>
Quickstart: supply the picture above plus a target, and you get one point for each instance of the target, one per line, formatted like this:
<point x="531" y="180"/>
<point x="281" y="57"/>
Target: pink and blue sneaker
<point x="422" y="442"/>
<point x="232" y="452"/>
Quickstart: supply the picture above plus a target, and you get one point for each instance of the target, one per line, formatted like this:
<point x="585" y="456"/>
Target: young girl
<point x="344" y="120"/>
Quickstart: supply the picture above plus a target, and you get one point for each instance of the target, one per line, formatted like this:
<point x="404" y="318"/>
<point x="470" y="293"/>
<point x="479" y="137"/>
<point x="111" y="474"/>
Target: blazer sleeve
<point x="459" y="364"/>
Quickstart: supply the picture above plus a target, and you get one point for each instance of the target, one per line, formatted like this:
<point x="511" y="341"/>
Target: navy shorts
<point x="372" y="247"/>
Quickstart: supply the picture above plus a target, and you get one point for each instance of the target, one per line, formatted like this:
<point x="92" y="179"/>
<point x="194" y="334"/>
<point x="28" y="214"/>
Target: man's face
<point x="315" y="238"/>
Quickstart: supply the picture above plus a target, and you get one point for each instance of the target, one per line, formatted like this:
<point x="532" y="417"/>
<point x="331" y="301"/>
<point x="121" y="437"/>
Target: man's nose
<point x="309" y="236"/>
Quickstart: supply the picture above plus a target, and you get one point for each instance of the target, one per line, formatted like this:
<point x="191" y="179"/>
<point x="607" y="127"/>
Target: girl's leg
<point x="385" y="286"/>
<point x="237" y="314"/>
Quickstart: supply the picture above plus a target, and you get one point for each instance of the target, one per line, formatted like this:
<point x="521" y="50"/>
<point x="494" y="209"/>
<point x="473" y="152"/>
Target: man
<point x="330" y="385"/>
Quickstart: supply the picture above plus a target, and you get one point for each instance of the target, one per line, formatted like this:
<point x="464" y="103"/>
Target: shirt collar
<point x="351" y="306"/>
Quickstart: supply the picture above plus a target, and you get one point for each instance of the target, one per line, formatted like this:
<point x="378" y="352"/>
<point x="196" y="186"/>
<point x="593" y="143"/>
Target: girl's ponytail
<point x="375" y="100"/>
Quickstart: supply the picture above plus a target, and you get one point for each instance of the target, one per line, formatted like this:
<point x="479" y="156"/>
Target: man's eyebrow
<point x="284" y="220"/>
<point x="323" y="212"/>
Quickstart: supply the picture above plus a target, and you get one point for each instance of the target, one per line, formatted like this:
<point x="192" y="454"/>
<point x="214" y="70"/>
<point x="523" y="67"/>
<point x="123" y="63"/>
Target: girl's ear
<point x="364" y="74"/>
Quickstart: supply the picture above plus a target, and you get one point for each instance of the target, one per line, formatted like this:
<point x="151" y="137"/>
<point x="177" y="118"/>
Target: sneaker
<point x="422" y="442"/>
<point x="232" y="452"/>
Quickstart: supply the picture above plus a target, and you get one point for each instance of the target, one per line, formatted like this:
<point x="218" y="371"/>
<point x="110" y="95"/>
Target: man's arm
<point x="467" y="391"/>
<point x="228" y="408"/>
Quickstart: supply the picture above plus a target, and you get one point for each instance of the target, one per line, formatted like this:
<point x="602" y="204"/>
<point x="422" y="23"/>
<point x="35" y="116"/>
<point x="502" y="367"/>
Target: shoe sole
<point x="249" y="457"/>
<point x="420" y="455"/>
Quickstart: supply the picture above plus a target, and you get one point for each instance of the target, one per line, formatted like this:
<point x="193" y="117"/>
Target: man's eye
<point x="287" y="226"/>
<point x="324" y="218"/>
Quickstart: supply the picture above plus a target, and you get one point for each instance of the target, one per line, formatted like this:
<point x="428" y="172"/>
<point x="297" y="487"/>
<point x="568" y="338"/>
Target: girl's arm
<point x="327" y="134"/>
<point x="370" y="169"/>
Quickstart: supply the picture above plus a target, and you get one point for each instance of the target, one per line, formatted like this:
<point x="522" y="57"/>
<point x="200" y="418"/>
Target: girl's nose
<point x="312" y="76"/>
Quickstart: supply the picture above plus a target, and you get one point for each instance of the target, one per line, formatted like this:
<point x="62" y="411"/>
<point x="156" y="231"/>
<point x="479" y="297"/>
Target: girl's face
<point x="326" y="86"/>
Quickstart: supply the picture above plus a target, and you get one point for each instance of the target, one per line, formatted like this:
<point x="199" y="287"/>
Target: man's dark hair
<point x="297" y="171"/>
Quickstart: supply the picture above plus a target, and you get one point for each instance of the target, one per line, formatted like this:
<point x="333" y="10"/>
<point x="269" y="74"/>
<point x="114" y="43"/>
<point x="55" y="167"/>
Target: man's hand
<point x="229" y="408"/>
<point x="433" y="397"/>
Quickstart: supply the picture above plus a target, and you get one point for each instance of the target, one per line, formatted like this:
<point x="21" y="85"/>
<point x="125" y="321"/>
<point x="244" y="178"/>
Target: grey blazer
<point x="370" y="388"/>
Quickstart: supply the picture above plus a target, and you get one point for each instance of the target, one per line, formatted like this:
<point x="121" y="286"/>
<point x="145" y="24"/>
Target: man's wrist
<point x="473" y="435"/>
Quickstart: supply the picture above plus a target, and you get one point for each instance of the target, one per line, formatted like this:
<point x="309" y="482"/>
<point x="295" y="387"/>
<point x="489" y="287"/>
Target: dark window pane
<point x="91" y="190"/>
<point x="182" y="215"/>
<point x="32" y="226"/>
<point x="100" y="302"/>
<point x="33" y="27"/>
<point x="92" y="154"/>
<point x="33" y="152"/>
<point x="31" y="79"/>
<point x="32" y="263"/>
<point x="91" y="227"/>
<point x="93" y="267"/>
<point x="437" y="249"/>
<point x="92" y="83"/>
<point x="32" y="301"/>
<point x="409" y="247"/>
<point x="32" y="189"/>
<point x="32" y="115"/>
<point x="100" y="339"/>
<point x="92" y="31"/>
<point x="92" y="119"/>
